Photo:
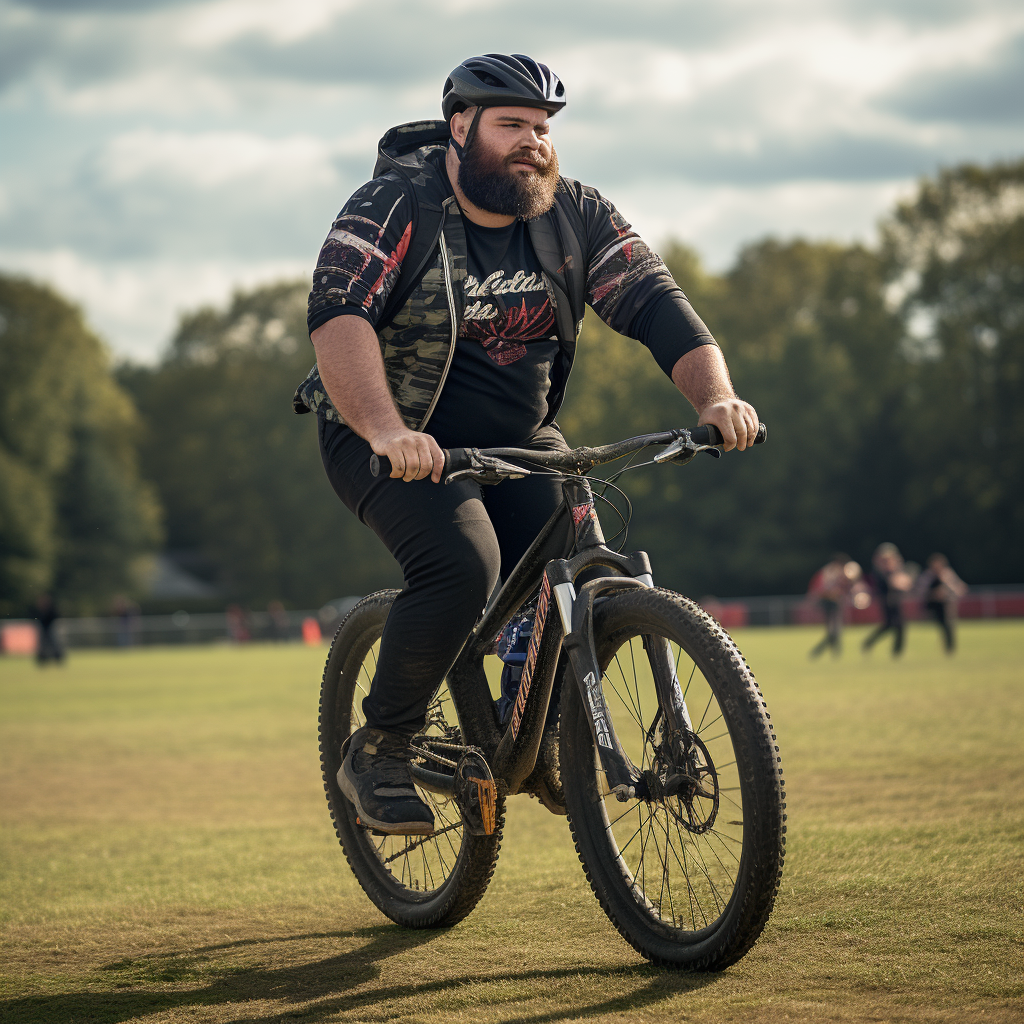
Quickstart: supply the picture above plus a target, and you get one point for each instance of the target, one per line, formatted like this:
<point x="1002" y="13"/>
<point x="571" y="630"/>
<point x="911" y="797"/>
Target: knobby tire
<point x="433" y="884"/>
<point x="689" y="900"/>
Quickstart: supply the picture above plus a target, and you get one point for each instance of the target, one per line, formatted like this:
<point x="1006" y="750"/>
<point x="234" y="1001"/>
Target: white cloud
<point x="716" y="221"/>
<point x="134" y="305"/>
<point x="210" y="137"/>
<point x="207" y="160"/>
<point x="282" y="21"/>
<point x="807" y="73"/>
<point x="168" y="91"/>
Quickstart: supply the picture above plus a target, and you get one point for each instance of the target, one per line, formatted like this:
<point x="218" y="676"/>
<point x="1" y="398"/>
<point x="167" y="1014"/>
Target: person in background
<point x="50" y="648"/>
<point x="832" y="585"/>
<point x="891" y="581"/>
<point x="126" y="612"/>
<point x="278" y="621"/>
<point x="941" y="588"/>
<point x="238" y="624"/>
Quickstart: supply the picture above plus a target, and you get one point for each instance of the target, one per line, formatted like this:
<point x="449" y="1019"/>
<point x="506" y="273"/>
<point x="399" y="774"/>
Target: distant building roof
<point x="169" y="580"/>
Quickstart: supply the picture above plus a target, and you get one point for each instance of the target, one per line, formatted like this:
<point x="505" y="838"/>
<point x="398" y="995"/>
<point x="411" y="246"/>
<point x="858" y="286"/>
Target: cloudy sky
<point x="156" y="153"/>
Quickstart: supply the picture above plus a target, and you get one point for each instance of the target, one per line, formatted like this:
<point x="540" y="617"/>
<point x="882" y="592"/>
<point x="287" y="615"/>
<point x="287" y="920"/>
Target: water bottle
<point x="512" y="646"/>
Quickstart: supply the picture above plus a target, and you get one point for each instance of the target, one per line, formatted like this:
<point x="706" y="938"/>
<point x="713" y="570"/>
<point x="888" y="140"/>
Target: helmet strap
<point x="470" y="135"/>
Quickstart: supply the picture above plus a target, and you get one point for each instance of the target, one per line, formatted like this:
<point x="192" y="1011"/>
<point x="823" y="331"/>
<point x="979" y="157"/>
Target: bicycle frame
<point x="564" y="633"/>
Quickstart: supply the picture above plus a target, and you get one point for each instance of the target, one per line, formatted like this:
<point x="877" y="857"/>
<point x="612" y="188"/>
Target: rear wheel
<point x="689" y="879"/>
<point x="417" y="881"/>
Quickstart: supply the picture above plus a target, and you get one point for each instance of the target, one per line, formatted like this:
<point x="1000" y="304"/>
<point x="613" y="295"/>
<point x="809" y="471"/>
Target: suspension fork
<point x="577" y="614"/>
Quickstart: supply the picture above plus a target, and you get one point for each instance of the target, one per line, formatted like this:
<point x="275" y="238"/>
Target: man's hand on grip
<point x="413" y="455"/>
<point x="736" y="419"/>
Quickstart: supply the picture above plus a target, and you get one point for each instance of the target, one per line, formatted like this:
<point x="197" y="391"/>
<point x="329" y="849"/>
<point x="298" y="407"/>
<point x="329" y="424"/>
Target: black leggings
<point x="452" y="541"/>
<point x="945" y="615"/>
<point x="893" y="620"/>
<point x="833" y="628"/>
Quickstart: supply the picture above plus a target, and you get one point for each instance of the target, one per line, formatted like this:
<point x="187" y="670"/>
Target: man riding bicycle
<point x="445" y="308"/>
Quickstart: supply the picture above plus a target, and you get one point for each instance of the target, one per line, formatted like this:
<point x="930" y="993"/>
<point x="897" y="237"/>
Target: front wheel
<point x="690" y="879"/>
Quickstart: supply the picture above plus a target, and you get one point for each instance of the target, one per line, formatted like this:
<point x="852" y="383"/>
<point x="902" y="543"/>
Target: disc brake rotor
<point x="688" y="791"/>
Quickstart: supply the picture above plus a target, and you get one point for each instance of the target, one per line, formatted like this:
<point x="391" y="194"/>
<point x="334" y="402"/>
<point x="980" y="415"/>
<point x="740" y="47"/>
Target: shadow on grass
<point x="318" y="990"/>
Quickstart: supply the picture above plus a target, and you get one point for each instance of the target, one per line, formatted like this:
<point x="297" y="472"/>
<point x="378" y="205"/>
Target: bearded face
<point x="498" y="183"/>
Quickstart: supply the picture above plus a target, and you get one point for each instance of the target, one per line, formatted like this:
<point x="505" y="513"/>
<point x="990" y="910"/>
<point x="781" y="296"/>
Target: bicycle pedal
<point x="476" y="794"/>
<point x="487" y="798"/>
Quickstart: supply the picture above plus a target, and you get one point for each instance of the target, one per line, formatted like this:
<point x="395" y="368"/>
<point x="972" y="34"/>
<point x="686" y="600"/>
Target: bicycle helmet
<point x="499" y="80"/>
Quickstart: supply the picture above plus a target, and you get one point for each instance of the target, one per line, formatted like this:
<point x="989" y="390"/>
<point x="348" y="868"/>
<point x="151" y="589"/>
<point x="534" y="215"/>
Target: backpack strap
<point x="558" y="239"/>
<point x="427" y="221"/>
<point x="427" y="215"/>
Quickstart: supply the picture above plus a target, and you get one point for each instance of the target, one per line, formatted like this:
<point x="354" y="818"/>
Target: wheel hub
<point x="685" y="782"/>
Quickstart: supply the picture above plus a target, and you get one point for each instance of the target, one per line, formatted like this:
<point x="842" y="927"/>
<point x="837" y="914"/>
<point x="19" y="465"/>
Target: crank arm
<point x="439" y="783"/>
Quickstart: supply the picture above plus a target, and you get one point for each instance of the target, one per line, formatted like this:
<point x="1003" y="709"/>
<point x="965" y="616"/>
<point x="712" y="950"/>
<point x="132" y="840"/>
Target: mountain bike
<point x="634" y="714"/>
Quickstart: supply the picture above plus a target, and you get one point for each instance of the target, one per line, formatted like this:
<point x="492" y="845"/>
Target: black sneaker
<point x="375" y="776"/>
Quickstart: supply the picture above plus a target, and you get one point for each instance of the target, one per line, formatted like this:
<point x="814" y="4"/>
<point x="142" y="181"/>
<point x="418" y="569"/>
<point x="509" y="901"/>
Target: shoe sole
<point x="389" y="828"/>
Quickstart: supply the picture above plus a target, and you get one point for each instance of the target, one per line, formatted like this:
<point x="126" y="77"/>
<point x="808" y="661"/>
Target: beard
<point x="488" y="182"/>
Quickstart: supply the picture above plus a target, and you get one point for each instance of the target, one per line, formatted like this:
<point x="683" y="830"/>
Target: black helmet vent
<point x="497" y="79"/>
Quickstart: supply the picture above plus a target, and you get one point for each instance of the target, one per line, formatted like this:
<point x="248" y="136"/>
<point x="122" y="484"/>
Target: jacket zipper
<point x="455" y="329"/>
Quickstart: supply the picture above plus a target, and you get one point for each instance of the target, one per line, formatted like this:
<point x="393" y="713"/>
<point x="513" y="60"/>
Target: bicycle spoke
<point x="689" y="681"/>
<point x="635" y="712"/>
<point x="707" y="725"/>
<point x="707" y="707"/>
<point x="622" y="849"/>
<point x="693" y="895"/>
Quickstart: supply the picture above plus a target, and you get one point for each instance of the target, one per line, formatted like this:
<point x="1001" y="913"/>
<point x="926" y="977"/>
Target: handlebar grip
<point x="708" y="433"/>
<point x="381" y="464"/>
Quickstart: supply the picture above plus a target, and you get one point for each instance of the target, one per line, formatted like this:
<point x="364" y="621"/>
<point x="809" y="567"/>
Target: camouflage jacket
<point x="589" y="254"/>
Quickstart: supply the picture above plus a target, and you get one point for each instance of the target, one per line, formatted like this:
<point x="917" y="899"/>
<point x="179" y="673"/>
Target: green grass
<point x="167" y="855"/>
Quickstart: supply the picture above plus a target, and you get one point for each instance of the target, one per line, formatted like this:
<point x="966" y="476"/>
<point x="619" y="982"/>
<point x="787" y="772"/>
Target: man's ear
<point x="459" y="126"/>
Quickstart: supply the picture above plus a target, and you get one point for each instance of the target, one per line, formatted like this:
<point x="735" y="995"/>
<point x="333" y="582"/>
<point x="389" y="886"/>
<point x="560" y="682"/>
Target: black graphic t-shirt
<point x="500" y="378"/>
<point x="497" y="386"/>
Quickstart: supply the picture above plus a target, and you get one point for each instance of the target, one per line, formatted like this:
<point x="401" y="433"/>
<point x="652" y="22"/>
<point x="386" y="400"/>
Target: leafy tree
<point x="239" y="474"/>
<point x="810" y="343"/>
<point x="74" y="515"/>
<point x="955" y="259"/>
<point x="866" y="365"/>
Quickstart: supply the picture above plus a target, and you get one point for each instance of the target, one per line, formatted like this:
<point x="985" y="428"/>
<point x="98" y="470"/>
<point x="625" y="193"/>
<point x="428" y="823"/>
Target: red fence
<point x="19" y="636"/>
<point x="986" y="605"/>
<point x="790" y="609"/>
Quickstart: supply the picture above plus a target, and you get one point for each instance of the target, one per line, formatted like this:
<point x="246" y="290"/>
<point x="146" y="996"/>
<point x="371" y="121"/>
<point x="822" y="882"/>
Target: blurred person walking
<point x="278" y="621"/>
<point x="126" y="612"/>
<point x="891" y="582"/>
<point x="941" y="589"/>
<point x="50" y="647"/>
<point x="833" y="585"/>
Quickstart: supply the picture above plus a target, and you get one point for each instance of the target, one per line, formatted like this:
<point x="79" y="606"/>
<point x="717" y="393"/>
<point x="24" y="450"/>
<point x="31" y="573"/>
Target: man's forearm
<point x="702" y="377"/>
<point x="352" y="370"/>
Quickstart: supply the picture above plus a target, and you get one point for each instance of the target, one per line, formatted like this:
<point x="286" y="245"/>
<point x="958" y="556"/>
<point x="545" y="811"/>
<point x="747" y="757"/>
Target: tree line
<point x="890" y="377"/>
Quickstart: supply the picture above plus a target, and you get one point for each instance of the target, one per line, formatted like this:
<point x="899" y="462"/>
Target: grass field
<point x="167" y="855"/>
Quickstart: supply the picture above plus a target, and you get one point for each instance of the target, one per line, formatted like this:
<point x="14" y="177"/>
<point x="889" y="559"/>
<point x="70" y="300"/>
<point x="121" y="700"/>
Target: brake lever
<point x="682" y="449"/>
<point x="486" y="469"/>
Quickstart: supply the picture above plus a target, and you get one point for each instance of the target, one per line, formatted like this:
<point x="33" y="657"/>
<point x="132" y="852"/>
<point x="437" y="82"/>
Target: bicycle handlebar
<point x="491" y="461"/>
